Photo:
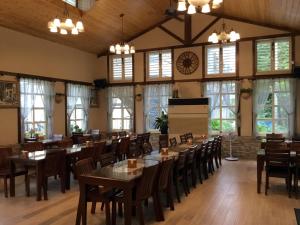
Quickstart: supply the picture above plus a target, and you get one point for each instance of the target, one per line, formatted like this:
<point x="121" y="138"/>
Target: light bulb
<point x="132" y="50"/>
<point x="79" y="26"/>
<point x="118" y="52"/>
<point x="126" y="52"/>
<point x="191" y="9"/>
<point x="181" y="5"/>
<point x="237" y="36"/>
<point x="126" y="47"/>
<point x="56" y="22"/>
<point x="74" y="31"/>
<point x="217" y="1"/>
<point x="53" y="29"/>
<point x="118" y="47"/>
<point x="63" y="31"/>
<point x="112" y="49"/>
<point x="69" y="23"/>
<point x="205" y="8"/>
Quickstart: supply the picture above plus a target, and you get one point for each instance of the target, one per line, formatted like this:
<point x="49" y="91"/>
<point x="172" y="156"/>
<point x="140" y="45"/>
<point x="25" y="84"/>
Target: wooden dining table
<point x="117" y="176"/>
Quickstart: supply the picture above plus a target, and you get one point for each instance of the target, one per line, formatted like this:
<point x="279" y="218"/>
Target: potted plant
<point x="161" y="123"/>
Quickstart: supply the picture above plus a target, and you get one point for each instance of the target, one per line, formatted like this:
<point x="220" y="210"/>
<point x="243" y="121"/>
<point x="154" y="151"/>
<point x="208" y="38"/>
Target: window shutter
<point x="166" y="65"/>
<point x="128" y="67"/>
<point x="282" y="54"/>
<point x="117" y="68"/>
<point x="229" y="60"/>
<point x="154" y="66"/>
<point x="213" y="60"/>
<point x="263" y="56"/>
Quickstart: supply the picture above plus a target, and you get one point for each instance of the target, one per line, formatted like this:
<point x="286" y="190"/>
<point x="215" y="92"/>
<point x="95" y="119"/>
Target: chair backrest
<point x="274" y="136"/>
<point x="183" y="139"/>
<point x="58" y="137"/>
<point x="4" y="154"/>
<point x="173" y="141"/>
<point x="55" y="162"/>
<point x="146" y="183"/>
<point x="134" y="151"/>
<point x="147" y="148"/>
<point x="65" y="143"/>
<point x="277" y="158"/>
<point x="191" y="155"/>
<point x="122" y="133"/>
<point x="163" y="141"/>
<point x="83" y="139"/>
<point x="84" y="166"/>
<point x="114" y="147"/>
<point x="164" y="174"/>
<point x="107" y="159"/>
<point x="274" y="146"/>
<point x="87" y="152"/>
<point x="189" y="135"/>
<point x="140" y="140"/>
<point x="99" y="147"/>
<point x="124" y="145"/>
<point x="181" y="162"/>
<point x="33" y="146"/>
<point x="295" y="146"/>
<point x="146" y="137"/>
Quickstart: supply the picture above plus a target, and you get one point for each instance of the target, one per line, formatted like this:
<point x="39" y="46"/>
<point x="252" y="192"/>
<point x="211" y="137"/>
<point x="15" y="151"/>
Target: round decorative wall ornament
<point x="187" y="63"/>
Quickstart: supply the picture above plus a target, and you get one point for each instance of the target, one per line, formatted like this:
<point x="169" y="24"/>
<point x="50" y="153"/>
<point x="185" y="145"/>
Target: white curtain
<point x="262" y="90"/>
<point x="286" y="99"/>
<point x="75" y="92"/>
<point x="155" y="101"/>
<point x="125" y="94"/>
<point x="29" y="89"/>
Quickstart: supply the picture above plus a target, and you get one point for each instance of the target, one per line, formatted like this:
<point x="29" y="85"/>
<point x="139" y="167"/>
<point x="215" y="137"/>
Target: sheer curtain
<point x="262" y="90"/>
<point x="29" y="88"/>
<point x="155" y="101"/>
<point x="75" y="92"/>
<point x="286" y="99"/>
<point x="212" y="90"/>
<point x="125" y="94"/>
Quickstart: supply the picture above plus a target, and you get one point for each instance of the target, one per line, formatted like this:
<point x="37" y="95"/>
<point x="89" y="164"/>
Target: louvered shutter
<point x="117" y="68"/>
<point x="166" y="64"/>
<point x="128" y="67"/>
<point x="213" y="60"/>
<point x="229" y="58"/>
<point x="263" y="56"/>
<point x="154" y="65"/>
<point x="282" y="54"/>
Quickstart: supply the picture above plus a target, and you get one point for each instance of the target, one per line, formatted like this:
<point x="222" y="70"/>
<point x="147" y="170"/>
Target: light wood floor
<point x="228" y="198"/>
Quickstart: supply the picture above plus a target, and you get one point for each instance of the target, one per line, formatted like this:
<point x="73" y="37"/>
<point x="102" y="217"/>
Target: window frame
<point x="122" y="118"/>
<point x="221" y="65"/>
<point x="77" y="106"/>
<point x="272" y="41"/>
<point x="160" y="76"/>
<point x="123" y="79"/>
<point x="221" y="94"/>
<point x="273" y="119"/>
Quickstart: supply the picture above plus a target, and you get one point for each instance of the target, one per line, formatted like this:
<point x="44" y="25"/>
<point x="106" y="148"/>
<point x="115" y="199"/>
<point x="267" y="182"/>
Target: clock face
<point x="187" y="63"/>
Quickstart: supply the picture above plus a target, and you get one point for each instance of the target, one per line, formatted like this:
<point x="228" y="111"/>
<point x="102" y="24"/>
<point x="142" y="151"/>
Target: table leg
<point x="68" y="174"/>
<point x="39" y="178"/>
<point x="12" y="179"/>
<point x="260" y="166"/>
<point x="127" y="205"/>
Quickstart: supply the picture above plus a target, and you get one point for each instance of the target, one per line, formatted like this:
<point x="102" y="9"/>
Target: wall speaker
<point x="100" y="83"/>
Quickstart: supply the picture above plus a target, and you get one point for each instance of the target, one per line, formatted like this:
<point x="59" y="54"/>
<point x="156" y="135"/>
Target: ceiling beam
<point x="187" y="29"/>
<point x="171" y="34"/>
<point x="205" y="29"/>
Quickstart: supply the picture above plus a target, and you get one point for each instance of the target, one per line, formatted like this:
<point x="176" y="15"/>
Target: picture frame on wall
<point x="94" y="99"/>
<point x="9" y="94"/>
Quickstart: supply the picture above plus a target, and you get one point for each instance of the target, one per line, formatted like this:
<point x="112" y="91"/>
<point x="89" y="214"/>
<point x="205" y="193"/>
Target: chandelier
<point x="122" y="47"/>
<point x="65" y="26"/>
<point x="193" y="5"/>
<point x="223" y="36"/>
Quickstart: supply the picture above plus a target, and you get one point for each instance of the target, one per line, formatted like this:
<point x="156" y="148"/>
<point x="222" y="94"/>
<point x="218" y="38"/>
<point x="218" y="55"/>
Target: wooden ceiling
<point x="103" y="25"/>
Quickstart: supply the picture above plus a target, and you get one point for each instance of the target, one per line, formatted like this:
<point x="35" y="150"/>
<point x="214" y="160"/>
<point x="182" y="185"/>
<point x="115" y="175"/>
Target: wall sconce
<point x="59" y="97"/>
<point x="138" y="97"/>
<point x="139" y="91"/>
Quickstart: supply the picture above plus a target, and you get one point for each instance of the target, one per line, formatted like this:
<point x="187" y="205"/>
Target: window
<point x="223" y="106"/>
<point x="36" y="107"/>
<point x="155" y="101"/>
<point x="273" y="55"/>
<point x="78" y="103"/>
<point x="71" y="2"/>
<point x="220" y="59"/>
<point x="274" y="106"/>
<point x="121" y="108"/>
<point x="122" y="68"/>
<point x="160" y="64"/>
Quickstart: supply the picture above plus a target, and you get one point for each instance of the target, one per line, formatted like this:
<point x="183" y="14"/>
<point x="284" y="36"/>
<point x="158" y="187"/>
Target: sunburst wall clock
<point x="187" y="63"/>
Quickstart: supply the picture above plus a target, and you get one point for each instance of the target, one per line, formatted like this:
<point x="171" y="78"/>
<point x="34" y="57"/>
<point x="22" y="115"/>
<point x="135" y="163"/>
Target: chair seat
<point x="278" y="171"/>
<point x="18" y="171"/>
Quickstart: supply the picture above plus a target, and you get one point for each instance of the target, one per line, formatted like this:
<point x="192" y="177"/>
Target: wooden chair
<point x="163" y="141"/>
<point x="94" y="193"/>
<point x="278" y="164"/>
<point x="54" y="165"/>
<point x="5" y="170"/>
<point x="200" y="162"/>
<point x="219" y="149"/>
<point x="87" y="152"/>
<point x="146" y="137"/>
<point x="274" y="136"/>
<point x="107" y="159"/>
<point x="65" y="143"/>
<point x="215" y="151"/>
<point x="99" y="147"/>
<point x="147" y="148"/>
<point x="134" y="151"/>
<point x="33" y="146"/>
<point x="140" y="142"/>
<point x="295" y="147"/>
<point x="189" y="136"/>
<point x="164" y="181"/>
<point x="122" y="134"/>
<point x="208" y="159"/>
<point x="144" y="190"/>
<point x="173" y="142"/>
<point x="183" y="139"/>
<point x="179" y="174"/>
<point x="191" y="167"/>
<point x="123" y="148"/>
<point x="84" y="139"/>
